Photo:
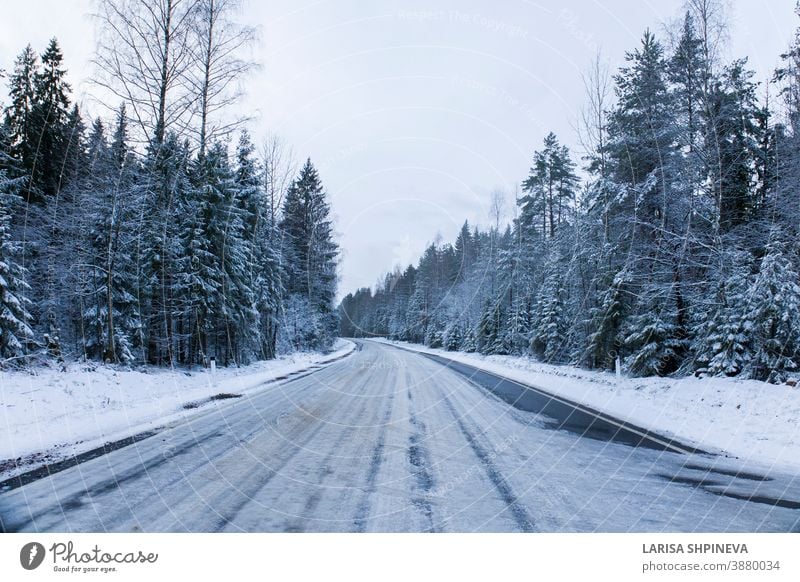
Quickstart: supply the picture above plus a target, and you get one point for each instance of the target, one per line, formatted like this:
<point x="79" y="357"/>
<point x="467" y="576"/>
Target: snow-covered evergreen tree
<point x="657" y="344"/>
<point x="469" y="343"/>
<point x="774" y="312"/>
<point x="724" y="333"/>
<point x="310" y="257"/>
<point x="548" y="338"/>
<point x="453" y="337"/>
<point x="15" y="331"/>
<point x="262" y="277"/>
<point x="605" y="335"/>
<point x="163" y="185"/>
<point x="49" y="120"/>
<point x="20" y="136"/>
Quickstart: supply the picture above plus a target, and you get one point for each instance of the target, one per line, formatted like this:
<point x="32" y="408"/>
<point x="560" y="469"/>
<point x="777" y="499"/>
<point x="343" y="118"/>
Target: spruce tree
<point x="18" y="115"/>
<point x="724" y="339"/>
<point x="730" y="139"/>
<point x="550" y="185"/>
<point x="311" y="255"/>
<point x="49" y="118"/>
<point x="469" y="344"/>
<point x="162" y="187"/>
<point x="548" y="340"/>
<point x="261" y="281"/>
<point x="605" y="323"/>
<point x="15" y="331"/>
<point x="774" y="310"/>
<point x="657" y="343"/>
<point x="453" y="337"/>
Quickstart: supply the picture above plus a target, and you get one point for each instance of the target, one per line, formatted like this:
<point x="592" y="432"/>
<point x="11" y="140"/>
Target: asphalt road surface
<point x="388" y="440"/>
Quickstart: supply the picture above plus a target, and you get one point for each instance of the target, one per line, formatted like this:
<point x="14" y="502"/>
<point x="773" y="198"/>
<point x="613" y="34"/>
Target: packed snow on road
<point x="388" y="440"/>
<point x="756" y="422"/>
<point x="50" y="414"/>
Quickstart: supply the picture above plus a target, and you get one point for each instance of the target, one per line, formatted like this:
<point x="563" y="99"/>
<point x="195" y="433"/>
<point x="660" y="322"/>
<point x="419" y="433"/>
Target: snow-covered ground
<point x="47" y="414"/>
<point x="756" y="422"/>
<point x="389" y="441"/>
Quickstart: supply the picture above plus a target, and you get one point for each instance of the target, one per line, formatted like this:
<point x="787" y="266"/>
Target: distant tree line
<point x="153" y="237"/>
<point x="679" y="253"/>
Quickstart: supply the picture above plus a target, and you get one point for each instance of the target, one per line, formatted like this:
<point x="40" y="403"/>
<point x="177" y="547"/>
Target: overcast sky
<point x="414" y="111"/>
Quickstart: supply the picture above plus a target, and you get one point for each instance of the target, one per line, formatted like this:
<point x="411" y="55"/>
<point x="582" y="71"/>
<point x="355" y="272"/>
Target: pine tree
<point x="218" y="294"/>
<point x="239" y="258"/>
<point x="469" y="344"/>
<point x="105" y="213"/>
<point x="490" y="333"/>
<point x="123" y="318"/>
<point x="641" y="128"/>
<point x="465" y="254"/>
<point x="434" y="337"/>
<point x="95" y="189"/>
<point x="520" y="323"/>
<point x="550" y="186"/>
<point x="781" y="205"/>
<point x="401" y="288"/>
<point x="689" y="73"/>
<point x="74" y="164"/>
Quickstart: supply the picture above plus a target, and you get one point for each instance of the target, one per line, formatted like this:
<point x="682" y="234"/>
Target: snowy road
<point x="387" y="440"/>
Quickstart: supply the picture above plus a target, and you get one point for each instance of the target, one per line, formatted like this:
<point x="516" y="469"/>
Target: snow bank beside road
<point x="47" y="415"/>
<point x="756" y="422"/>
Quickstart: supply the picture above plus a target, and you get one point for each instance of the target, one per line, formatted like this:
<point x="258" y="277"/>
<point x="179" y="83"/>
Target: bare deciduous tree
<point x="497" y="207"/>
<point x="280" y="167"/>
<point x="711" y="17"/>
<point x="592" y="128"/>
<point x="592" y="132"/>
<point x="218" y="64"/>
<point x="143" y="55"/>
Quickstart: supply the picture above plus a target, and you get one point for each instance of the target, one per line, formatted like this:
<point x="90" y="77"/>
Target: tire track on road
<point x="518" y="511"/>
<point x="362" y="513"/>
<point x="419" y="459"/>
<point x="321" y="414"/>
<point x="355" y="413"/>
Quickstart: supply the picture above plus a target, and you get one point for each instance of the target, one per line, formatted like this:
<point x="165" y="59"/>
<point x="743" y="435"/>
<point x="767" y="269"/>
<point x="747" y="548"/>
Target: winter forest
<point x="671" y="246"/>
<point x="156" y="231"/>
